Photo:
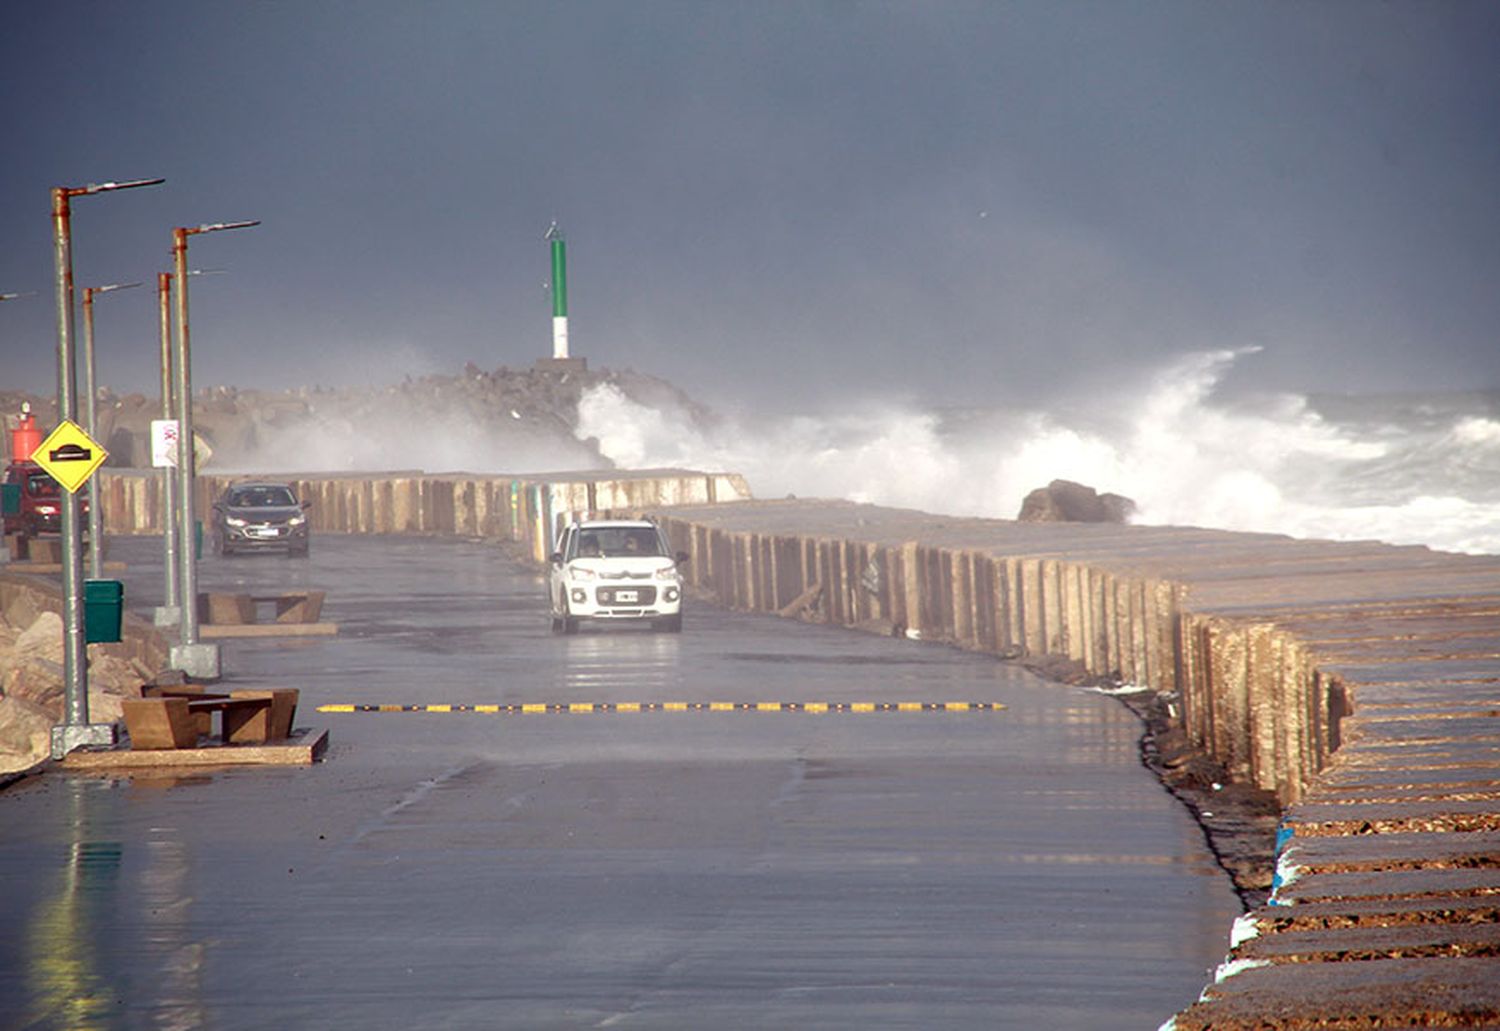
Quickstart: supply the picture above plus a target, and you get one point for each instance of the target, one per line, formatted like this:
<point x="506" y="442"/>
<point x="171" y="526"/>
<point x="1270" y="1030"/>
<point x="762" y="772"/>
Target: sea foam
<point x="1183" y="454"/>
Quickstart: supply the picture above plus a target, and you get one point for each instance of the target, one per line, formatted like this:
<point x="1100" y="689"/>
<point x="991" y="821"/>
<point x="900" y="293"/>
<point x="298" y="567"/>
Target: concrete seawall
<point x="1357" y="682"/>
<point x="517" y="509"/>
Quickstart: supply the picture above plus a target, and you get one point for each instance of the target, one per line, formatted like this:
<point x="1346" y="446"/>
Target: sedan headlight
<point x="234" y="521"/>
<point x="296" y="520"/>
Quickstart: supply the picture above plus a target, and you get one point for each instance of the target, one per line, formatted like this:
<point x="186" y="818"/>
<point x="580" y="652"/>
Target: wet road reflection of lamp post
<point x="62" y="938"/>
<point x="90" y="424"/>
<point x="75" y="731"/>
<point x="190" y="656"/>
<point x="170" y="611"/>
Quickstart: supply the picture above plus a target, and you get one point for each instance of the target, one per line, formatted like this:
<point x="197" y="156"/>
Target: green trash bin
<point x="197" y="540"/>
<point x="10" y="499"/>
<point x="103" y="607"/>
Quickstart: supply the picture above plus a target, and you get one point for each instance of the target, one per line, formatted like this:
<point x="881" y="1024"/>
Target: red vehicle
<point x="41" y="497"/>
<point x="41" y="501"/>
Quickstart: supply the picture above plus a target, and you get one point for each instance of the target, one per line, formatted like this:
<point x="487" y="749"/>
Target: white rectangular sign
<point x="164" y="443"/>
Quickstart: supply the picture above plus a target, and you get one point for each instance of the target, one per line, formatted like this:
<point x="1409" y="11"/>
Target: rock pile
<point x="516" y="420"/>
<point x="31" y="680"/>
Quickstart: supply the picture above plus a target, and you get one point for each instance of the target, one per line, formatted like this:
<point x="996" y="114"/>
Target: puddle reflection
<point x="77" y="947"/>
<point x="642" y="661"/>
<point x="66" y="987"/>
<point x="167" y="905"/>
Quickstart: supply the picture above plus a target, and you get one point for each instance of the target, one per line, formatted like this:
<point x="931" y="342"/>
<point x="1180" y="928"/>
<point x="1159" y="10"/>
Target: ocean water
<point x="1404" y="469"/>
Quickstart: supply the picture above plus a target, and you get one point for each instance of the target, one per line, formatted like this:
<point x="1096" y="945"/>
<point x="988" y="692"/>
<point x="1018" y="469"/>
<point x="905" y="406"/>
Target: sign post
<point x="76" y="731"/>
<point x="70" y="456"/>
<point x="164" y="457"/>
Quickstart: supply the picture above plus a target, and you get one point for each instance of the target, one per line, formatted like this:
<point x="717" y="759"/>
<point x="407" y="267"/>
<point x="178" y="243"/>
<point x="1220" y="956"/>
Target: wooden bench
<point x="241" y="720"/>
<point x="221" y="608"/>
<point x="159" y="723"/>
<point x="175" y="717"/>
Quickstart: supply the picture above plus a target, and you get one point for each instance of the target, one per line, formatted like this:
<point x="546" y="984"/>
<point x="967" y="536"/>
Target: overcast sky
<point x="769" y="202"/>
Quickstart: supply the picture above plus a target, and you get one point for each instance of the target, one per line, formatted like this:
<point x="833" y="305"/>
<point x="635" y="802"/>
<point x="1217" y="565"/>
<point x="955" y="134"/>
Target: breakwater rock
<point x="515" y="420"/>
<point x="31" y="669"/>
<point x="1063" y="501"/>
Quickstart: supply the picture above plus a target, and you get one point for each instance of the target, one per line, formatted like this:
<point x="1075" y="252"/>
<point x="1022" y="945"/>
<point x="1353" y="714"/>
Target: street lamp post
<point x="90" y="423"/>
<point x="75" y="731"/>
<point x="190" y="656"/>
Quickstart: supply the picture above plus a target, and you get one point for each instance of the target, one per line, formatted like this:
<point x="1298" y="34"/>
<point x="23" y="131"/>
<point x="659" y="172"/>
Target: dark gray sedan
<point x="260" y="517"/>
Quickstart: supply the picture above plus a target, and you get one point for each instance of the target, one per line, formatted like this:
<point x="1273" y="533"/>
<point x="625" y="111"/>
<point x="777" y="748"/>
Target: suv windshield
<point x="616" y="542"/>
<point x="42" y="485"/>
<point x="262" y="497"/>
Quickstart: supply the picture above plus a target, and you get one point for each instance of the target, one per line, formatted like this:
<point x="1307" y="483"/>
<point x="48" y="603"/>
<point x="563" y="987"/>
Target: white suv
<point x="614" y="569"/>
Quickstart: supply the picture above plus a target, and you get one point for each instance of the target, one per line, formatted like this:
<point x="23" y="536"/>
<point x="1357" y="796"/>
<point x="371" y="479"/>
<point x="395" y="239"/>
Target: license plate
<point x="264" y="531"/>
<point x="625" y="597"/>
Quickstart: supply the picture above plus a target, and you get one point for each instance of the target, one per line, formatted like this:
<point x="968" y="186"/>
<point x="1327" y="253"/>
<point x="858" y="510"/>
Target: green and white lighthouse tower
<point x="559" y="292"/>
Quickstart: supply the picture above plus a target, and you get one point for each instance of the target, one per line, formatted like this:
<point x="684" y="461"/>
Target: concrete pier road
<point x="745" y="869"/>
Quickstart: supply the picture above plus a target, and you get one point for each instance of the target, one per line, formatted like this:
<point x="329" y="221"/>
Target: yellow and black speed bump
<point x="538" y="708"/>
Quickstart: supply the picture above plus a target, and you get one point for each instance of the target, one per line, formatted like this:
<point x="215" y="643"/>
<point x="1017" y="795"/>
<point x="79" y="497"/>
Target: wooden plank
<point x="208" y="631"/>
<point x="302" y="749"/>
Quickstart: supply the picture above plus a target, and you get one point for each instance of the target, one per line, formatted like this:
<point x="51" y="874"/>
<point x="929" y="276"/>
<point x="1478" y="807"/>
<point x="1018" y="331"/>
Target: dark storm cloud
<point x="958" y="201"/>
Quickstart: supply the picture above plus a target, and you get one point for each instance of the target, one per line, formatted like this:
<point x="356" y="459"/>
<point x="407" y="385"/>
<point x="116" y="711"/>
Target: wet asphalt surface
<point x="1016" y="868"/>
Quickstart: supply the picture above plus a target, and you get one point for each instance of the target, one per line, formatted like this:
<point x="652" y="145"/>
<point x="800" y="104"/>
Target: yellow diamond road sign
<point x="70" y="455"/>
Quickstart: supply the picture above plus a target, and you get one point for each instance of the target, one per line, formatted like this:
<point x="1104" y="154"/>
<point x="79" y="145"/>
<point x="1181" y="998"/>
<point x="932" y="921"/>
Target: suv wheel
<point x="564" y="624"/>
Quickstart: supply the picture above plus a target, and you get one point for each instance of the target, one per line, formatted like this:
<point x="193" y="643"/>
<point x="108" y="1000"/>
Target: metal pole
<point x="95" y="570"/>
<point x="193" y="658"/>
<point x="76" y="730"/>
<point x="90" y="423"/>
<point x="171" y="599"/>
<point x="188" y="572"/>
<point x="75" y="655"/>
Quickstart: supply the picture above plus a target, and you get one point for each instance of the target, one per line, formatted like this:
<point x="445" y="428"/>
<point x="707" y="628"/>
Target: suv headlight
<point x="234" y="521"/>
<point x="579" y="573"/>
<point x="297" y="520"/>
<point x="669" y="573"/>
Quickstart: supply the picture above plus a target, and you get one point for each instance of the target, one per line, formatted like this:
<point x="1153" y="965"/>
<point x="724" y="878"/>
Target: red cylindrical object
<point x="25" y="438"/>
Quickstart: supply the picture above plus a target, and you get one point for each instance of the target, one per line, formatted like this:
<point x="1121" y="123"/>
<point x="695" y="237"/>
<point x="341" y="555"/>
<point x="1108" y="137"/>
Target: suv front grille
<point x="645" y="595"/>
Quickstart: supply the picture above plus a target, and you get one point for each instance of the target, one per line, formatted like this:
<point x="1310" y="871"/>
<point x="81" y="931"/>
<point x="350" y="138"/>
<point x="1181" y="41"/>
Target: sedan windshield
<point x="262" y="497"/>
